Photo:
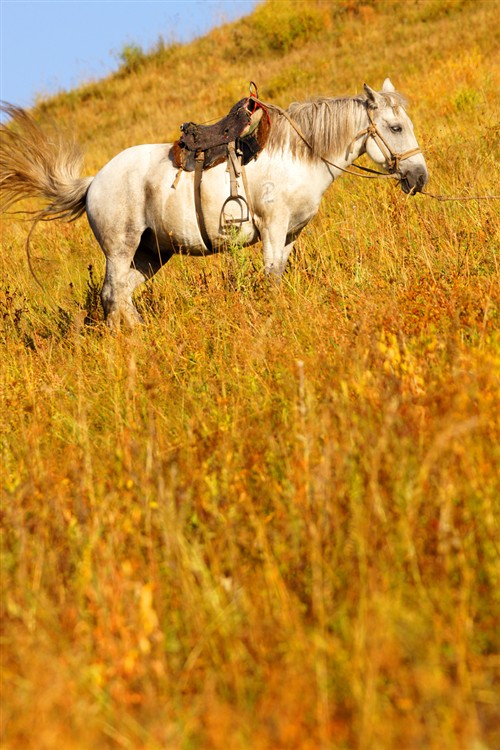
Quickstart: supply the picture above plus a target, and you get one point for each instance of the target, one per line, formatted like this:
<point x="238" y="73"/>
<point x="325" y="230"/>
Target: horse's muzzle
<point x="414" y="180"/>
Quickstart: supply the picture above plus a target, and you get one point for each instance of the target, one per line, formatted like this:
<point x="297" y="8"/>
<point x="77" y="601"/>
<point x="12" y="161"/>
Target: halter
<point x="391" y="157"/>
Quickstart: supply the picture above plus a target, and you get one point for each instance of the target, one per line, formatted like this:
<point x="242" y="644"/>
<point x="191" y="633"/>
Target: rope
<point x="461" y="197"/>
<point x="374" y="174"/>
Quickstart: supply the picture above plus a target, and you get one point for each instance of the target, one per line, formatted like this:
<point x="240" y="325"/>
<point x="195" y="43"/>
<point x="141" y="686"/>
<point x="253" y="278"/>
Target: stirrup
<point x="230" y="221"/>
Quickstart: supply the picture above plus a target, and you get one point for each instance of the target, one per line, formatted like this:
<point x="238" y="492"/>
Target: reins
<point x="393" y="159"/>
<point x="461" y="197"/>
<point x="371" y="130"/>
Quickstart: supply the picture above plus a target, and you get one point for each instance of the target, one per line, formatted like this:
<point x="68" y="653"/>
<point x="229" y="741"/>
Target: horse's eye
<point x="396" y="128"/>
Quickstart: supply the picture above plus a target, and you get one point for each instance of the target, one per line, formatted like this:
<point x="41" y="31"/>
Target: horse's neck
<point x="350" y="122"/>
<point x="325" y="130"/>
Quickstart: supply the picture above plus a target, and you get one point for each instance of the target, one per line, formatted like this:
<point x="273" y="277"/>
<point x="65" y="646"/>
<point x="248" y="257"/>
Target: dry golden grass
<point x="270" y="519"/>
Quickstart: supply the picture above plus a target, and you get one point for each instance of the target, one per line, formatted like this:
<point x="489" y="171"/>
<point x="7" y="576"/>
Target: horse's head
<point x="390" y="140"/>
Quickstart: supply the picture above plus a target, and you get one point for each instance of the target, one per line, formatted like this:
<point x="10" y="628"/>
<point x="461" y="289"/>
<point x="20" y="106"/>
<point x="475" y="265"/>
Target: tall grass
<point x="270" y="518"/>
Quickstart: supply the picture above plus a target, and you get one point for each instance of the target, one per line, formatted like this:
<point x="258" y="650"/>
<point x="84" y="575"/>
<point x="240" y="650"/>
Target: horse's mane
<point x="329" y="124"/>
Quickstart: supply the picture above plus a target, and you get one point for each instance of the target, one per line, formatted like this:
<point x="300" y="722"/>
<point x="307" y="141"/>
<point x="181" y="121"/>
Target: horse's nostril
<point x="413" y="181"/>
<point x="405" y="185"/>
<point x="421" y="182"/>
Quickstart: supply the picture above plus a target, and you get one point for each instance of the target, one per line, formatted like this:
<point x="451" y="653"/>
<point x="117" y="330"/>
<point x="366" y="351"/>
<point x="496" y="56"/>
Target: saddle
<point x="236" y="139"/>
<point x="244" y="126"/>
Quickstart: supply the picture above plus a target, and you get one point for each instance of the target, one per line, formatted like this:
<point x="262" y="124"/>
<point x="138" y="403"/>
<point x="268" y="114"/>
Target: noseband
<point x="392" y="158"/>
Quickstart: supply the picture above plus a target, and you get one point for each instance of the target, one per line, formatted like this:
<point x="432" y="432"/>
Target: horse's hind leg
<point x="125" y="271"/>
<point x="116" y="294"/>
<point x="120" y="279"/>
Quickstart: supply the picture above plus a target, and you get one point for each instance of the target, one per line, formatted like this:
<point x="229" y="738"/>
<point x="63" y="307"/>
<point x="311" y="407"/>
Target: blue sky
<point x="52" y="45"/>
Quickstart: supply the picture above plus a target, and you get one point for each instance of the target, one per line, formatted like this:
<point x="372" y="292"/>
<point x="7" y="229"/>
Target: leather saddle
<point x="246" y="125"/>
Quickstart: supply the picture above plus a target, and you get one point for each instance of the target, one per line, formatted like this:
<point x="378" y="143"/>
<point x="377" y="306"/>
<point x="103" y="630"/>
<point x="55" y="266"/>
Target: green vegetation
<point x="269" y="520"/>
<point x="132" y="57"/>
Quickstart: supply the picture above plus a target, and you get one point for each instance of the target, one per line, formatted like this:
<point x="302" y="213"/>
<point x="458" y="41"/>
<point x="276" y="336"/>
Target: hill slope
<point x="270" y="519"/>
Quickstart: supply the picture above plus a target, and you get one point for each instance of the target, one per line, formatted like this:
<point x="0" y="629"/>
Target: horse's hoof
<point x="129" y="317"/>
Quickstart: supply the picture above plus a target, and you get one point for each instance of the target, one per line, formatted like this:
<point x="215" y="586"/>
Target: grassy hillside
<point x="269" y="520"/>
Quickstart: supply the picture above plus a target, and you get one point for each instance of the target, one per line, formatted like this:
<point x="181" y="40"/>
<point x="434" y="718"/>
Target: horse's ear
<point x="387" y="86"/>
<point x="371" y="94"/>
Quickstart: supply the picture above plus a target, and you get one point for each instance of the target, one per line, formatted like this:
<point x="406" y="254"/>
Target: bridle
<point x="392" y="158"/>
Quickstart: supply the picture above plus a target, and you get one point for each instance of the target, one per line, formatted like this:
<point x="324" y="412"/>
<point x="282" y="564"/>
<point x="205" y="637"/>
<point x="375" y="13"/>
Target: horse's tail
<point x="36" y="165"/>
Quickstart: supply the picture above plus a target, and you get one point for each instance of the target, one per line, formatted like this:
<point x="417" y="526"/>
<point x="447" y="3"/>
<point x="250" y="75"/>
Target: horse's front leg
<point x="276" y="249"/>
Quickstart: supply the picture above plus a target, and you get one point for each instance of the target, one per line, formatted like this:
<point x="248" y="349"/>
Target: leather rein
<point x="392" y="158"/>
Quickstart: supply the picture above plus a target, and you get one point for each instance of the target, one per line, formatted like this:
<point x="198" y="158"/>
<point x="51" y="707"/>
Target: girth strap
<point x="198" y="172"/>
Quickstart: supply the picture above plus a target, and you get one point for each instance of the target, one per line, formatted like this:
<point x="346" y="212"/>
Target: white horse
<point x="140" y="219"/>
